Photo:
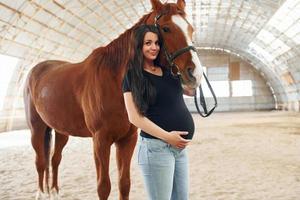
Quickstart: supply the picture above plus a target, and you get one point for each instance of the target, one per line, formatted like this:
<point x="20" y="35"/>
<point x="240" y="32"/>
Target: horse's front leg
<point x="124" y="151"/>
<point x="102" y="146"/>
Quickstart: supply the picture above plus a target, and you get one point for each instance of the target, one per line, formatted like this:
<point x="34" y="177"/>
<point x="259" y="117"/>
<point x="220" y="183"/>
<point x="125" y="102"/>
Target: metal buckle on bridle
<point x="171" y="57"/>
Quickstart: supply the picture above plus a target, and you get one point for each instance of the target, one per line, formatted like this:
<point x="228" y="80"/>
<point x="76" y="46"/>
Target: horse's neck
<point x="116" y="54"/>
<point x="121" y="48"/>
<point x="118" y="51"/>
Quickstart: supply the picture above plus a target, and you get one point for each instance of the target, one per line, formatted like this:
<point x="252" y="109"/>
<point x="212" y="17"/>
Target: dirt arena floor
<point x="233" y="156"/>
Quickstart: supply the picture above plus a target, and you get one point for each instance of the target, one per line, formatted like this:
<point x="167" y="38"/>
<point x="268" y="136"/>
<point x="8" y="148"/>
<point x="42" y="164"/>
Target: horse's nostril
<point x="190" y="72"/>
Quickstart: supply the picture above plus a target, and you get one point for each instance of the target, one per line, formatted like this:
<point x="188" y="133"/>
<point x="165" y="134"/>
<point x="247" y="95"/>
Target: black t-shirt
<point x="169" y="110"/>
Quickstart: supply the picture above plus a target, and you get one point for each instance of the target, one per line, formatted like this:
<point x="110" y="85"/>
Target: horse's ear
<point x="181" y="4"/>
<point x="156" y="4"/>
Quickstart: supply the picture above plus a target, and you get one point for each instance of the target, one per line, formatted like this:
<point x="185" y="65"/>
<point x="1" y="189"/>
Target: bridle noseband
<point x="172" y="56"/>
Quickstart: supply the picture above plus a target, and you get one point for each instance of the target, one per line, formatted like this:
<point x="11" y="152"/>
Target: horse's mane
<point x="117" y="52"/>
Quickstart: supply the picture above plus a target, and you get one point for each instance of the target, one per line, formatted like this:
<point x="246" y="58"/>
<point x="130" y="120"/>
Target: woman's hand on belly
<point x="174" y="138"/>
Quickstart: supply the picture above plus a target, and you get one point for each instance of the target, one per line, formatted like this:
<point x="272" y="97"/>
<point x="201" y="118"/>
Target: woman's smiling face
<point x="151" y="46"/>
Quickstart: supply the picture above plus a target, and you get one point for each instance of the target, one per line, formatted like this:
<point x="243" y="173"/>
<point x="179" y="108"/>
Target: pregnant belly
<point x="180" y="120"/>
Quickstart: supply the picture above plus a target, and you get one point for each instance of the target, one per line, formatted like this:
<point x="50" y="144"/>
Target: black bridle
<point x="170" y="59"/>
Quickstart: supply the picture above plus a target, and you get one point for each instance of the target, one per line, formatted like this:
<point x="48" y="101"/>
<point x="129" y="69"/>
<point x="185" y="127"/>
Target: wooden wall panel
<point x="234" y="71"/>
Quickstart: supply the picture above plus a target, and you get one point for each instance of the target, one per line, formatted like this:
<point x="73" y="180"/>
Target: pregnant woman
<point x="154" y="103"/>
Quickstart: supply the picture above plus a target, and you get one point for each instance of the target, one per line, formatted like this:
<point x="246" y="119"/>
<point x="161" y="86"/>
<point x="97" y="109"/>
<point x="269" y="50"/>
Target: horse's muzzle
<point x="192" y="80"/>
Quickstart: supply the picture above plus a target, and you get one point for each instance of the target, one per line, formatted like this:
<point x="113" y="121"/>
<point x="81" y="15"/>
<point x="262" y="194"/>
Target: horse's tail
<point x="47" y="151"/>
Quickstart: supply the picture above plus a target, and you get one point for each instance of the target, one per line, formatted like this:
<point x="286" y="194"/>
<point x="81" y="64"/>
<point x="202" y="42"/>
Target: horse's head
<point x="178" y="53"/>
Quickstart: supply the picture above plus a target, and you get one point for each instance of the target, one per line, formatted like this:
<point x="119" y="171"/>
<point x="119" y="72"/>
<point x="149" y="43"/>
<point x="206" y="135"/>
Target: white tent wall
<point x="217" y="65"/>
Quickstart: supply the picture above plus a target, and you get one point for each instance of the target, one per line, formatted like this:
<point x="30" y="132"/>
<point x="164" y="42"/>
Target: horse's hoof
<point x="41" y="195"/>
<point x="54" y="194"/>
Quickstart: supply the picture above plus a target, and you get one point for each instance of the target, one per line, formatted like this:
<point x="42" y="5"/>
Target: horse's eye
<point x="166" y="29"/>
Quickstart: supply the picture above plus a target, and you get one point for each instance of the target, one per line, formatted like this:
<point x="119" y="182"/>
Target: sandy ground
<point x="233" y="156"/>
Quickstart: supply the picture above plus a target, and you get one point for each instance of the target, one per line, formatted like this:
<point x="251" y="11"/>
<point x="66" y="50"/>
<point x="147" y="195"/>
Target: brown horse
<point x="85" y="99"/>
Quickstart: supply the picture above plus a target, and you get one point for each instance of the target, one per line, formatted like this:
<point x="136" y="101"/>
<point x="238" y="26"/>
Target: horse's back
<point x="42" y="68"/>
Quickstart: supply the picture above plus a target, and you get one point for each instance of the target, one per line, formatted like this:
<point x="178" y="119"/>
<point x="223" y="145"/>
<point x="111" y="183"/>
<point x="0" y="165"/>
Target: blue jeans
<point x="165" y="169"/>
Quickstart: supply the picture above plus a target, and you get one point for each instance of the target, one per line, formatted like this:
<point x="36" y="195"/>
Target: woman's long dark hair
<point x="142" y="89"/>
